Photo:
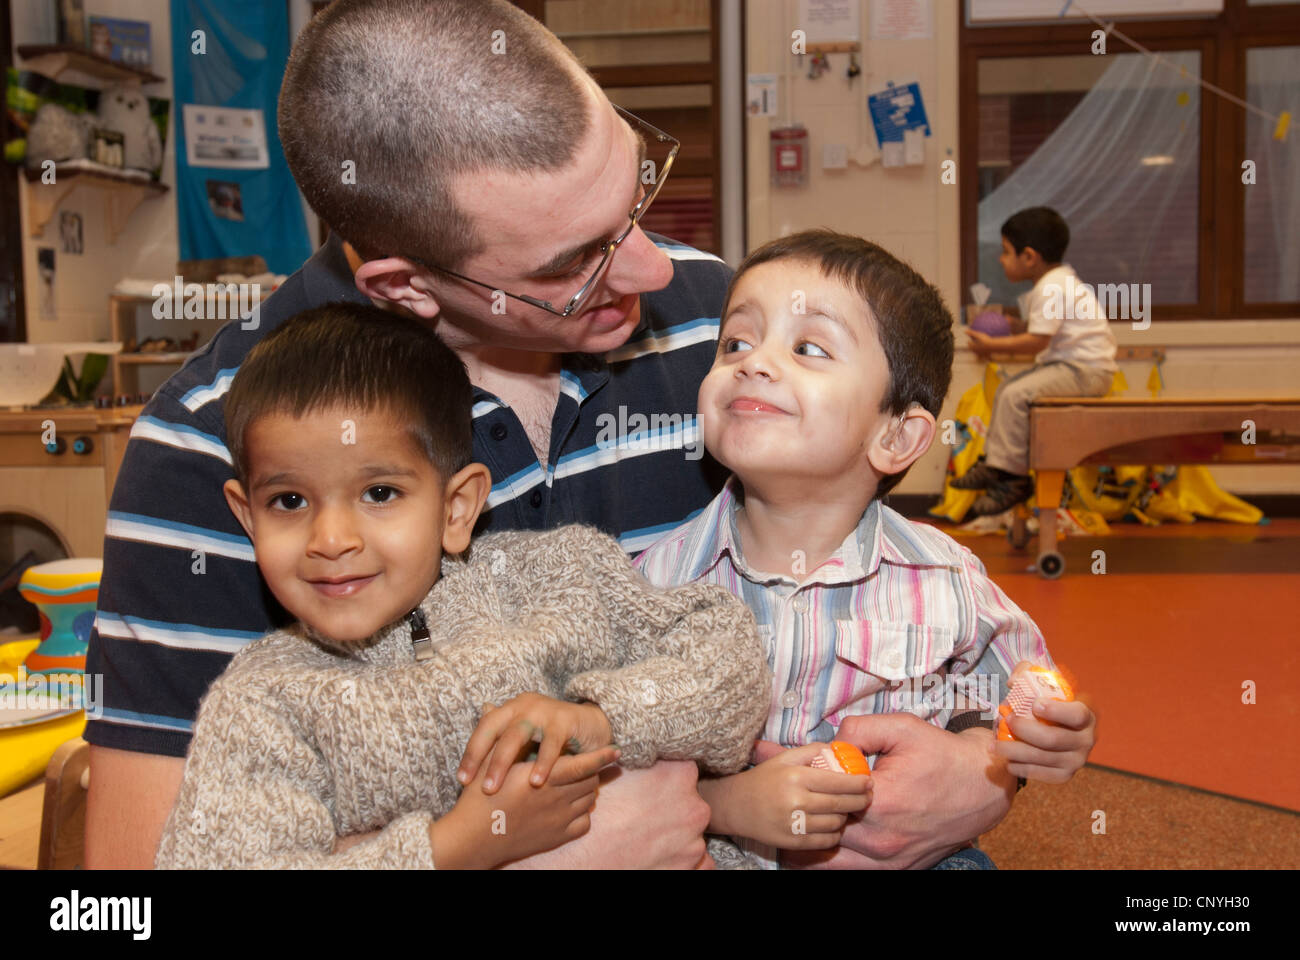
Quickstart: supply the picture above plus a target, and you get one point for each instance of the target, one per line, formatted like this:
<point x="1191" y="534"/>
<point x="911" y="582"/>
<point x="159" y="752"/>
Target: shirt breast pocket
<point x="874" y="655"/>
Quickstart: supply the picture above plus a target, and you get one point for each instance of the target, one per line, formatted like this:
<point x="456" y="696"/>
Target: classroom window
<point x="1146" y="165"/>
<point x="1272" y="236"/>
<point x="1111" y="143"/>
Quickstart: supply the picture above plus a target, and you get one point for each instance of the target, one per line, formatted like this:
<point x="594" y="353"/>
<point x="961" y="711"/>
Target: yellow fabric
<point x="1190" y="493"/>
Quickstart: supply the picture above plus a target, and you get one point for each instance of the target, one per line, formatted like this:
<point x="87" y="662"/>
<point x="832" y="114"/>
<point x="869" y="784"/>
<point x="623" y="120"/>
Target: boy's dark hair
<point x="914" y="326"/>
<point x="1041" y="228"/>
<point x="413" y="94"/>
<point x="356" y="356"/>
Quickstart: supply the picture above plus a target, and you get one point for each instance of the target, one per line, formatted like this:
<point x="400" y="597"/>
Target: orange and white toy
<point x="1026" y="687"/>
<point x="843" y="758"/>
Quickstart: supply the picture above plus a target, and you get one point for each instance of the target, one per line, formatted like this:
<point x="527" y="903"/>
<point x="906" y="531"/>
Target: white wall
<point x="912" y="213"/>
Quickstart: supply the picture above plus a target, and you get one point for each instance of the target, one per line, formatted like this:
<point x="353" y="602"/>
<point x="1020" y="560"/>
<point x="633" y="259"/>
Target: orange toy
<point x="842" y="757"/>
<point x="1026" y="687"/>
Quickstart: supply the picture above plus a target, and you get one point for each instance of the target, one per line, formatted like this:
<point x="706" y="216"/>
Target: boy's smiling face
<point x="347" y="534"/>
<point x="796" y="388"/>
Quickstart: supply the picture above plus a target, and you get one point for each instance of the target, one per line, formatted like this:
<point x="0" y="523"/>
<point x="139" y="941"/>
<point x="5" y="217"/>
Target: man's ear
<point x="903" y="441"/>
<point x="463" y="500"/>
<point x="238" y="502"/>
<point x="398" y="281"/>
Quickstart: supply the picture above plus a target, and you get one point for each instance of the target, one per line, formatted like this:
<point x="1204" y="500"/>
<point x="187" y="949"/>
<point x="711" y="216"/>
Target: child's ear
<point x="903" y="441"/>
<point x="238" y="502"/>
<point x="462" y="502"/>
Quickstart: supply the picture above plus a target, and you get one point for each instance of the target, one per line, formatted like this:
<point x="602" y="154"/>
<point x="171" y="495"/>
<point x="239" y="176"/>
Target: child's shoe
<point x="1003" y="494"/>
<point x="979" y="477"/>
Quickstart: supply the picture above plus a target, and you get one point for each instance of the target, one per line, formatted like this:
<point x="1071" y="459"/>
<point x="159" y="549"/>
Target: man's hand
<point x="934" y="791"/>
<point x="644" y="819"/>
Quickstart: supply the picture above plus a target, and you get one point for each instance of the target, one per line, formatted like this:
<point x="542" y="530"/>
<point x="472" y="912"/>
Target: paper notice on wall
<point x="830" y="21"/>
<point x="914" y="147"/>
<point x="900" y="19"/>
<point x="225" y="137"/>
<point x="760" y="95"/>
<point x="892" y="154"/>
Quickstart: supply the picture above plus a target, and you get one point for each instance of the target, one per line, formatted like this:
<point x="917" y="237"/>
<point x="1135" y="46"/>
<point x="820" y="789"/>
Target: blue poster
<point x="896" y="110"/>
<point x="231" y="54"/>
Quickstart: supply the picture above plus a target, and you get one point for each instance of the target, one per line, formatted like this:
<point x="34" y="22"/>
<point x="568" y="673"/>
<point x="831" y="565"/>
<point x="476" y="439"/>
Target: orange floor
<point x="1164" y="643"/>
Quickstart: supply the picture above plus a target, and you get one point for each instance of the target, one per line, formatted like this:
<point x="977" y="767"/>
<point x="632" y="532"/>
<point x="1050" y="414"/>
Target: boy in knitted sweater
<point x="349" y="430"/>
<point x="833" y="360"/>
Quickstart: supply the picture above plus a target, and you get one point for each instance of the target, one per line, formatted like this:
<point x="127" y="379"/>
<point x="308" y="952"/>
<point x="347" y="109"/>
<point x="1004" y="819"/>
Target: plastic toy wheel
<point x="1050" y="565"/>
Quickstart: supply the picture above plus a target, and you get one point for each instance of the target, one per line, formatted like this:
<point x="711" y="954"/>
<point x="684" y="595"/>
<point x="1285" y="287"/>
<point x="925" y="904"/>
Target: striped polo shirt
<point x="901" y="618"/>
<point x="181" y="593"/>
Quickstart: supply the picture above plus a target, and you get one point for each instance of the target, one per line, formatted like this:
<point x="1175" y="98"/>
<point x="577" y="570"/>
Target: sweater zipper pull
<point x="421" y="642"/>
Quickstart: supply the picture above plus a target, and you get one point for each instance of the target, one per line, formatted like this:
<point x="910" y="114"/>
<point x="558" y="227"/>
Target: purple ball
<point x="993" y="323"/>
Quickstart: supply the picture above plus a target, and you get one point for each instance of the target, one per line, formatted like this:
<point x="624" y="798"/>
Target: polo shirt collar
<point x="856" y="558"/>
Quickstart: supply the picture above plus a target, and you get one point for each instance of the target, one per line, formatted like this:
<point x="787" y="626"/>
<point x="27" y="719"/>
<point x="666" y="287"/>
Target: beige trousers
<point x="1007" y="444"/>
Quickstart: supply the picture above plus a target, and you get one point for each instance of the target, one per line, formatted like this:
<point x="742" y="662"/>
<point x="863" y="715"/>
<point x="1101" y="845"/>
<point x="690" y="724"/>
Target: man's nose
<point x="334" y="532"/>
<point x="638" y="265"/>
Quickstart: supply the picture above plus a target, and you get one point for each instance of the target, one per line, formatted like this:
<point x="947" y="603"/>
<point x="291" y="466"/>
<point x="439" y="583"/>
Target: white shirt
<point x="1065" y="308"/>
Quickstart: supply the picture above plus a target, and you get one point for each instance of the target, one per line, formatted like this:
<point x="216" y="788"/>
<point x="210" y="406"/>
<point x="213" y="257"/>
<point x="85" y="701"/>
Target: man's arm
<point x="130" y="796"/>
<point x="644" y="819"/>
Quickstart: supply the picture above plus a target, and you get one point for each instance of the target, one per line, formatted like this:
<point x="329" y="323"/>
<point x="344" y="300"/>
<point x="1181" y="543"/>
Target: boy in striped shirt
<point x="833" y="361"/>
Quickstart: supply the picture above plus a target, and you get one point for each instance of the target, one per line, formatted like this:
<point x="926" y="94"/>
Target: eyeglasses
<point x="650" y="163"/>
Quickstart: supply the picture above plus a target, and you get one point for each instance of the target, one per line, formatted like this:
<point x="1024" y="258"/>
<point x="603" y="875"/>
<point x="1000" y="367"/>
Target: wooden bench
<point x="1066" y="432"/>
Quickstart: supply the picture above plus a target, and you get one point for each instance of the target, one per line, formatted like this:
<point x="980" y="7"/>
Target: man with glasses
<point x="473" y="175"/>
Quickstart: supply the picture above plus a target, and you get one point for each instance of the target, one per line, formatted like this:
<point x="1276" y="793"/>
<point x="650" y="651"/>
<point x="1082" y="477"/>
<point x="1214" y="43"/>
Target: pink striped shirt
<point x="900" y="618"/>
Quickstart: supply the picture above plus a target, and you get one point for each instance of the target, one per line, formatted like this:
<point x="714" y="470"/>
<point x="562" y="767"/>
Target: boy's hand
<point x="786" y="803"/>
<point x="482" y="831"/>
<point x="531" y="718"/>
<point x="981" y="342"/>
<point x="1050" y="751"/>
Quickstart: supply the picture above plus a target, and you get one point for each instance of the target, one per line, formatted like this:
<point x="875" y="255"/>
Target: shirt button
<point x="800" y="603"/>
<point x="790" y="699"/>
<point x="536" y="498"/>
<point x="499" y="431"/>
<point x="895" y="659"/>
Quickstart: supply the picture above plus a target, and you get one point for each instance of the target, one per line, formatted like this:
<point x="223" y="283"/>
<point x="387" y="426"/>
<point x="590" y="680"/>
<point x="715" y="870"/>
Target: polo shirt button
<point x="790" y="699"/>
<point x="800" y="603"/>
<point x="536" y="498"/>
<point x="499" y="431"/>
<point x="895" y="660"/>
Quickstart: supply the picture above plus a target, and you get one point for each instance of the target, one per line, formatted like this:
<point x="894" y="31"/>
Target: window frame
<point x="1222" y="42"/>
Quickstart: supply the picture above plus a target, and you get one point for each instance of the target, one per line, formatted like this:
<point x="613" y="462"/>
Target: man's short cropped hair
<point x="385" y="102"/>
<point x="911" y="320"/>
<point x="356" y="357"/>
<point x="1041" y="228"/>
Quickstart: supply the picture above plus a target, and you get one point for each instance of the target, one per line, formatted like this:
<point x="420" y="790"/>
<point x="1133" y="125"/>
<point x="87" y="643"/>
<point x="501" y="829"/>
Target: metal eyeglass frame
<point x="579" y="299"/>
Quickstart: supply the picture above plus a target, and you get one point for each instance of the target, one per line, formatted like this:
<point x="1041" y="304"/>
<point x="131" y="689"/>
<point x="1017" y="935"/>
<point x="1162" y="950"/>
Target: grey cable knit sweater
<point x="300" y="742"/>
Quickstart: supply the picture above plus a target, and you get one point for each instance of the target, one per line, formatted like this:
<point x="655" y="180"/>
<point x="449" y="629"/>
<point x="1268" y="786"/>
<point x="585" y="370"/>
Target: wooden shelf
<point x="52" y="59"/>
<point x="121" y="196"/>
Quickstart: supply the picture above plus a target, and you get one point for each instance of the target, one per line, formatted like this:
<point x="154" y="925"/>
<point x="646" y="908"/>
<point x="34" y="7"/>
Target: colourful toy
<point x="65" y="592"/>
<point x="1026" y="687"/>
<point x="843" y="758"/>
